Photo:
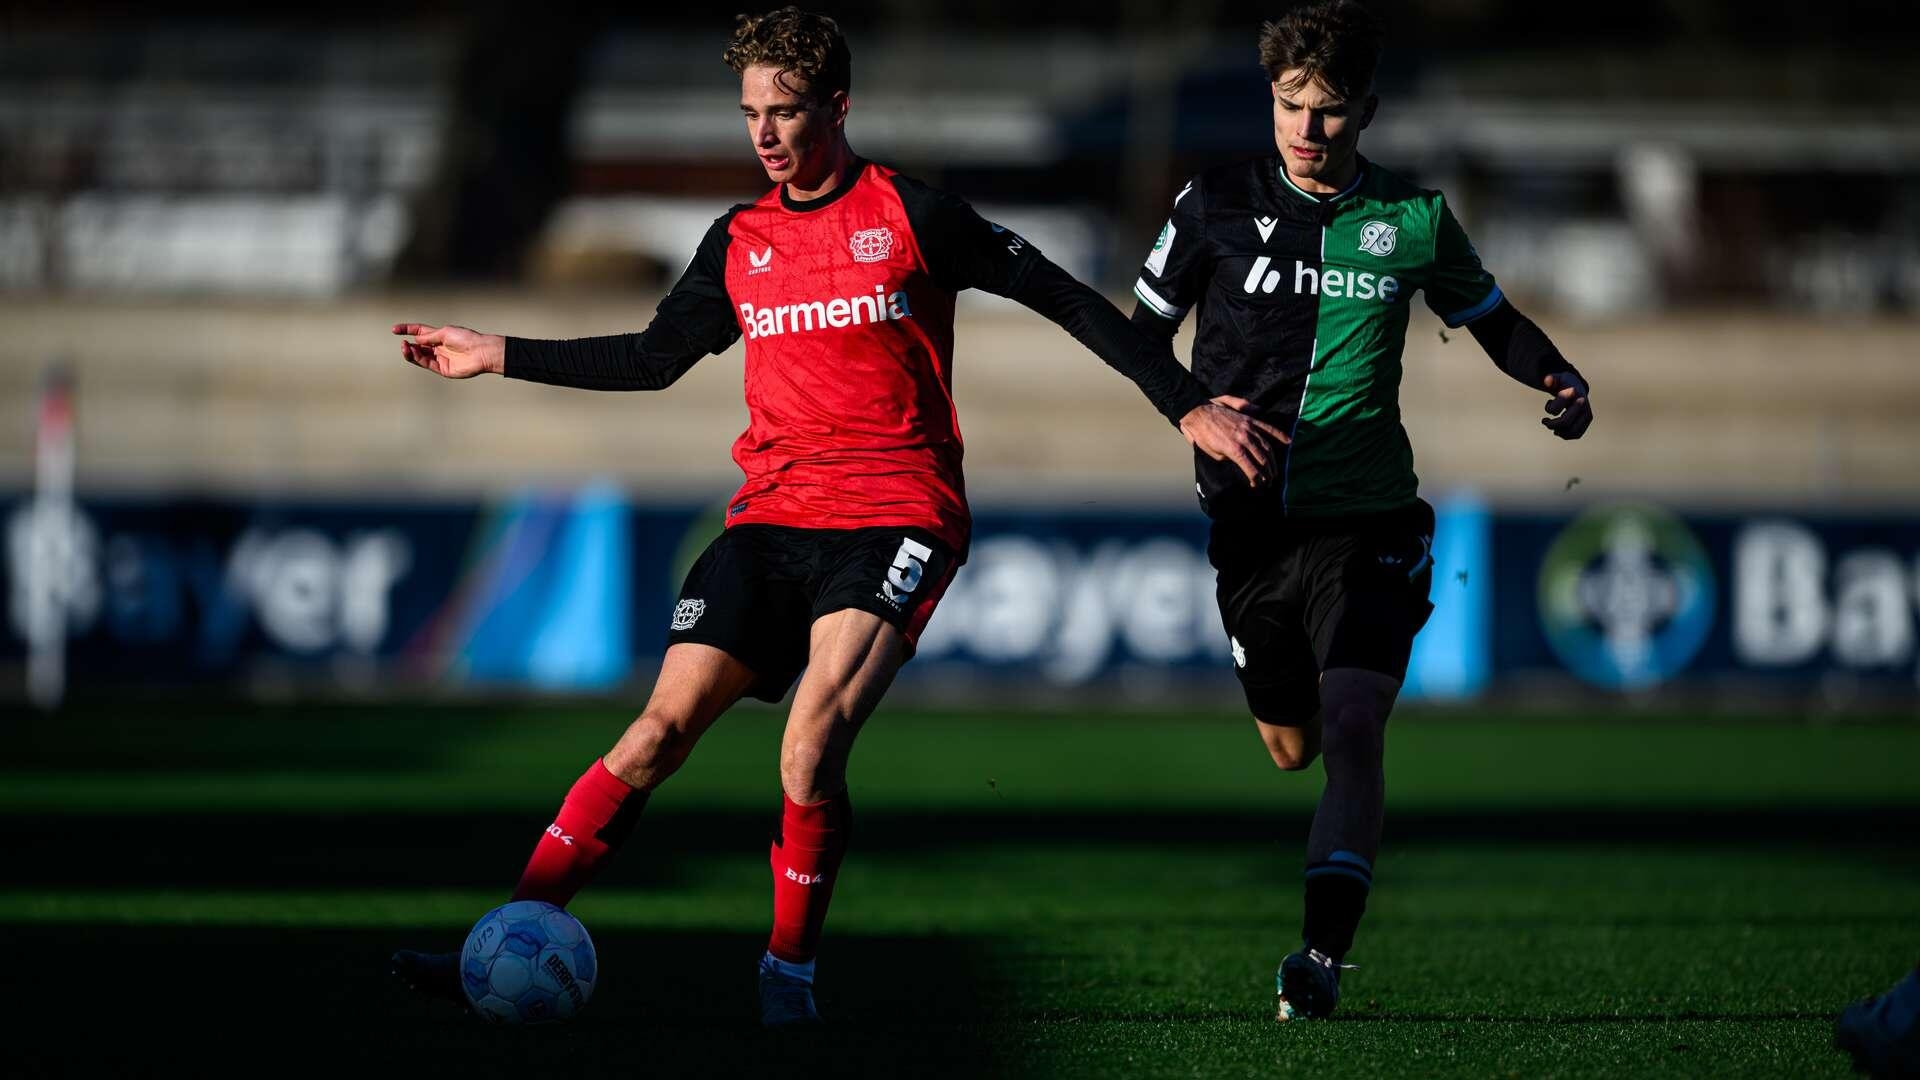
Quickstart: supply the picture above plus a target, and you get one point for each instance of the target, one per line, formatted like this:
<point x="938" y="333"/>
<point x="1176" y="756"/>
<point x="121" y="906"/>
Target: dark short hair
<point x="1336" y="42"/>
<point x="800" y="43"/>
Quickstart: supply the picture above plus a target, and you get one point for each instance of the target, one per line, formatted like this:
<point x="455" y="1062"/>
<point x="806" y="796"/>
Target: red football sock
<point x="806" y="861"/>
<point x="597" y="817"/>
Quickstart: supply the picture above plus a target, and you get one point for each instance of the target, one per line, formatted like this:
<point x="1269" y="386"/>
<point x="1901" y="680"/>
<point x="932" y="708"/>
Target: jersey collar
<point x="1280" y="166"/>
<point x="831" y="197"/>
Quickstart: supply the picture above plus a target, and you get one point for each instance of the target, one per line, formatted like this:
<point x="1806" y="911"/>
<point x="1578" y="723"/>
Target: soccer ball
<point x="528" y="962"/>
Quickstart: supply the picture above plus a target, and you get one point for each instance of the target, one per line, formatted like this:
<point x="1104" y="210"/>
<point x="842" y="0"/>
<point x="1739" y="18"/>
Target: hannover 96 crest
<point x="1376" y="237"/>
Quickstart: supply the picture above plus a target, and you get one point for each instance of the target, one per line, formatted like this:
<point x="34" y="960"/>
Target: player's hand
<point x="1568" y="410"/>
<point x="453" y="352"/>
<point x="1225" y="429"/>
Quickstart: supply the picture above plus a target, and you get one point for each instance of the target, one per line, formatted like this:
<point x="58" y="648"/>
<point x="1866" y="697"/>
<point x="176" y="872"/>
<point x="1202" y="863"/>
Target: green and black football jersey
<point x="1303" y="311"/>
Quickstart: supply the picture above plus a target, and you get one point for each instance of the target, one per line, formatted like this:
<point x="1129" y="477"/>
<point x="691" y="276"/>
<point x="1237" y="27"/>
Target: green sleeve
<point x="1459" y="289"/>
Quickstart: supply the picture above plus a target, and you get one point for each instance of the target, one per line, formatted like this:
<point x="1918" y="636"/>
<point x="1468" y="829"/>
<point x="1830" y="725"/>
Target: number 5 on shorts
<point x="908" y="566"/>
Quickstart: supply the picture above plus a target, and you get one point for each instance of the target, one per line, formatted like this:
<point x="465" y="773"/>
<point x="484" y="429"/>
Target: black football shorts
<point x="1302" y="596"/>
<point x="757" y="589"/>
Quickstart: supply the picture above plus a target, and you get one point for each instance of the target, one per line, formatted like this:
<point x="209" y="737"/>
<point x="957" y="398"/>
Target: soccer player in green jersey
<point x="1303" y="266"/>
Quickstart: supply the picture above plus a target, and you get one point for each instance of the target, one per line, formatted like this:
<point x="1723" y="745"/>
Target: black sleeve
<point x="1098" y="325"/>
<point x="1177" y="267"/>
<point x="1153" y="324"/>
<point x="964" y="250"/>
<point x="1518" y="347"/>
<point x="1174" y="271"/>
<point x="694" y="320"/>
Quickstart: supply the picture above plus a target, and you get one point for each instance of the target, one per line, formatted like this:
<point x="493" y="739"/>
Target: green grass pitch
<point x="217" y="888"/>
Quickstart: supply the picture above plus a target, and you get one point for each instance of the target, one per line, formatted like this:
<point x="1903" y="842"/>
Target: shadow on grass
<point x="442" y="850"/>
<point x="194" y="1000"/>
<point x="162" y="735"/>
<point x="1354" y="1014"/>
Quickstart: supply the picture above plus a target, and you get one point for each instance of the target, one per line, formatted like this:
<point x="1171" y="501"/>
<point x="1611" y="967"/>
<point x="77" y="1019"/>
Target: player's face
<point x="796" y="137"/>
<point x="1318" y="133"/>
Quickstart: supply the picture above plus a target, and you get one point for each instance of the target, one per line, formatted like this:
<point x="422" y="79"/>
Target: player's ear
<point x="1366" y="114"/>
<point x="837" y="107"/>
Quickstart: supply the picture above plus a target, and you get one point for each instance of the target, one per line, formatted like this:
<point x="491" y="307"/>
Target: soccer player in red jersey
<point x="853" y="517"/>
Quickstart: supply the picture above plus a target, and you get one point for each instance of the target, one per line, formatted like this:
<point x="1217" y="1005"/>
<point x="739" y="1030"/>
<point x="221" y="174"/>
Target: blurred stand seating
<point x="214" y="225"/>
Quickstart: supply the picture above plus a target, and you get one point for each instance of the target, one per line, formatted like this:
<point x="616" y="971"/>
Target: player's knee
<point x="1356" y="734"/>
<point x="1293" y="745"/>
<point x="1291" y="759"/>
<point x="812" y="782"/>
<point x="808" y="767"/>
<point x="813" y="760"/>
<point x="1354" y="708"/>
<point x="653" y="747"/>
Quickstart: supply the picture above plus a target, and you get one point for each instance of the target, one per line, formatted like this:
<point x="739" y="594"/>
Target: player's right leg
<point x="697" y="683"/>
<point x="1272" y="656"/>
<point x="738" y="628"/>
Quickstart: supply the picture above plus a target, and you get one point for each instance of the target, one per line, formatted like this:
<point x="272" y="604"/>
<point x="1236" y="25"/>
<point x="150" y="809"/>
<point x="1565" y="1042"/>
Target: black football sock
<point x="1337" y="889"/>
<point x="1346" y="830"/>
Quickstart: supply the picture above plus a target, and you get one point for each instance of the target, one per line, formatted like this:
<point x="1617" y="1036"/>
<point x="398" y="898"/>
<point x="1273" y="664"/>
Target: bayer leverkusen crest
<point x="871" y="245"/>
<point x="688" y="613"/>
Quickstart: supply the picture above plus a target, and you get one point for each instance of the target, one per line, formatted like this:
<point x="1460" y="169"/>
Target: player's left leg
<point x="1367" y="599"/>
<point x="1345" y="837"/>
<point x="873" y="591"/>
<point x="854" y="658"/>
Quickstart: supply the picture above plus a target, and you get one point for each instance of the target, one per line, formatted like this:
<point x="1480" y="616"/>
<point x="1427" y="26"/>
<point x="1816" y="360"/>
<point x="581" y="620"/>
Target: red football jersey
<point x="849" y="369"/>
<point x="846" y="302"/>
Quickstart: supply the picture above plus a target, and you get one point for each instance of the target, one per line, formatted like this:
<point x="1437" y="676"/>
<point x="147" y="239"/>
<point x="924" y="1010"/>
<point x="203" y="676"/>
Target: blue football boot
<point x="1882" y="1034"/>
<point x="1308" y="985"/>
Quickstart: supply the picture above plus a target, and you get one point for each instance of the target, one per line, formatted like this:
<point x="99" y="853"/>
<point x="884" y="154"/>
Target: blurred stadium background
<point x="222" y="490"/>
<point x="208" y="221"/>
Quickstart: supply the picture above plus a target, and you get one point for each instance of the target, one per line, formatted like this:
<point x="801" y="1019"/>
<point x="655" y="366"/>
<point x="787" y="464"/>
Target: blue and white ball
<point x="528" y="962"/>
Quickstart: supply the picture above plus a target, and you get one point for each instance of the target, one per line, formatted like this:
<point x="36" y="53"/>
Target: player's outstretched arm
<point x="1222" y="428"/>
<point x="452" y="352"/>
<point x="694" y="320"/>
<point x="1522" y="350"/>
<point x="965" y="251"/>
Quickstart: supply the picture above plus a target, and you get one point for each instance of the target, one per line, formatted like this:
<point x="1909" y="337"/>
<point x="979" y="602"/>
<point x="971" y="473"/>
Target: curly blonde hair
<point x="801" y="44"/>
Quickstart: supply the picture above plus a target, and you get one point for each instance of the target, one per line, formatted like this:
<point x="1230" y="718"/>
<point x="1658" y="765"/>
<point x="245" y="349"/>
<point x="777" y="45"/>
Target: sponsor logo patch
<point x="1157" y="260"/>
<point x="762" y="261"/>
<point x="1264" y="225"/>
<point x="1328" y="281"/>
<point x="841" y="311"/>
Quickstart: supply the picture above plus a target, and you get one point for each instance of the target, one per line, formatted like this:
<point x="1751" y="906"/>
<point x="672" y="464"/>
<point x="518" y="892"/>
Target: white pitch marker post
<point x="51" y="543"/>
